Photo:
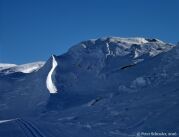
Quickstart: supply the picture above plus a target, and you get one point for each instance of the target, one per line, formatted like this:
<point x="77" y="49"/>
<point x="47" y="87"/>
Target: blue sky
<point x="32" y="30"/>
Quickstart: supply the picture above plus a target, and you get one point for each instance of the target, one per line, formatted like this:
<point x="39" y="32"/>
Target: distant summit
<point x="116" y="46"/>
<point x="25" y="68"/>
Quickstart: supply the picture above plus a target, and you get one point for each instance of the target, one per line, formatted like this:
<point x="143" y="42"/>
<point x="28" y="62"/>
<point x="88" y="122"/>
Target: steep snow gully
<point x="49" y="82"/>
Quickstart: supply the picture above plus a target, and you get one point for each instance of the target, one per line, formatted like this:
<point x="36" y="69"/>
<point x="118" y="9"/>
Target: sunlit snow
<point x="49" y="82"/>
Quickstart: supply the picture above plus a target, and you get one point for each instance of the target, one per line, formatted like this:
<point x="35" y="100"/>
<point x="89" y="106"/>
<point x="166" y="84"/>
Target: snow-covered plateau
<point x="106" y="87"/>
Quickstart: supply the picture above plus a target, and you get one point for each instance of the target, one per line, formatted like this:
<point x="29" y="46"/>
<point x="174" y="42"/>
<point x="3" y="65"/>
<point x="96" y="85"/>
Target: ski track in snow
<point x="29" y="129"/>
<point x="50" y="85"/>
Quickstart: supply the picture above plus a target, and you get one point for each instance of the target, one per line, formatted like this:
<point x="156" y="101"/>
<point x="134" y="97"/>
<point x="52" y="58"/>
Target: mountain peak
<point x="134" y="40"/>
<point x="117" y="46"/>
<point x="129" y="40"/>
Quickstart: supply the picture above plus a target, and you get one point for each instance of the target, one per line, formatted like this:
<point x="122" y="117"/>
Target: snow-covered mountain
<point x="6" y="66"/>
<point x="106" y="87"/>
<point x="25" y="68"/>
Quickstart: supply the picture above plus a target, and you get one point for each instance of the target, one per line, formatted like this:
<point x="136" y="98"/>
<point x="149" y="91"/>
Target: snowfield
<point x="106" y="87"/>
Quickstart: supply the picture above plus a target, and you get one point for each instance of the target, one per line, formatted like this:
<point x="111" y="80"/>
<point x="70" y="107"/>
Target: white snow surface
<point x="49" y="82"/>
<point x="24" y="68"/>
<point x="134" y="40"/>
<point x="116" y="46"/>
<point x="6" y="66"/>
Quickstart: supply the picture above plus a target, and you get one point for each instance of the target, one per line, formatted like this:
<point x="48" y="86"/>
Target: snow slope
<point x="109" y="87"/>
